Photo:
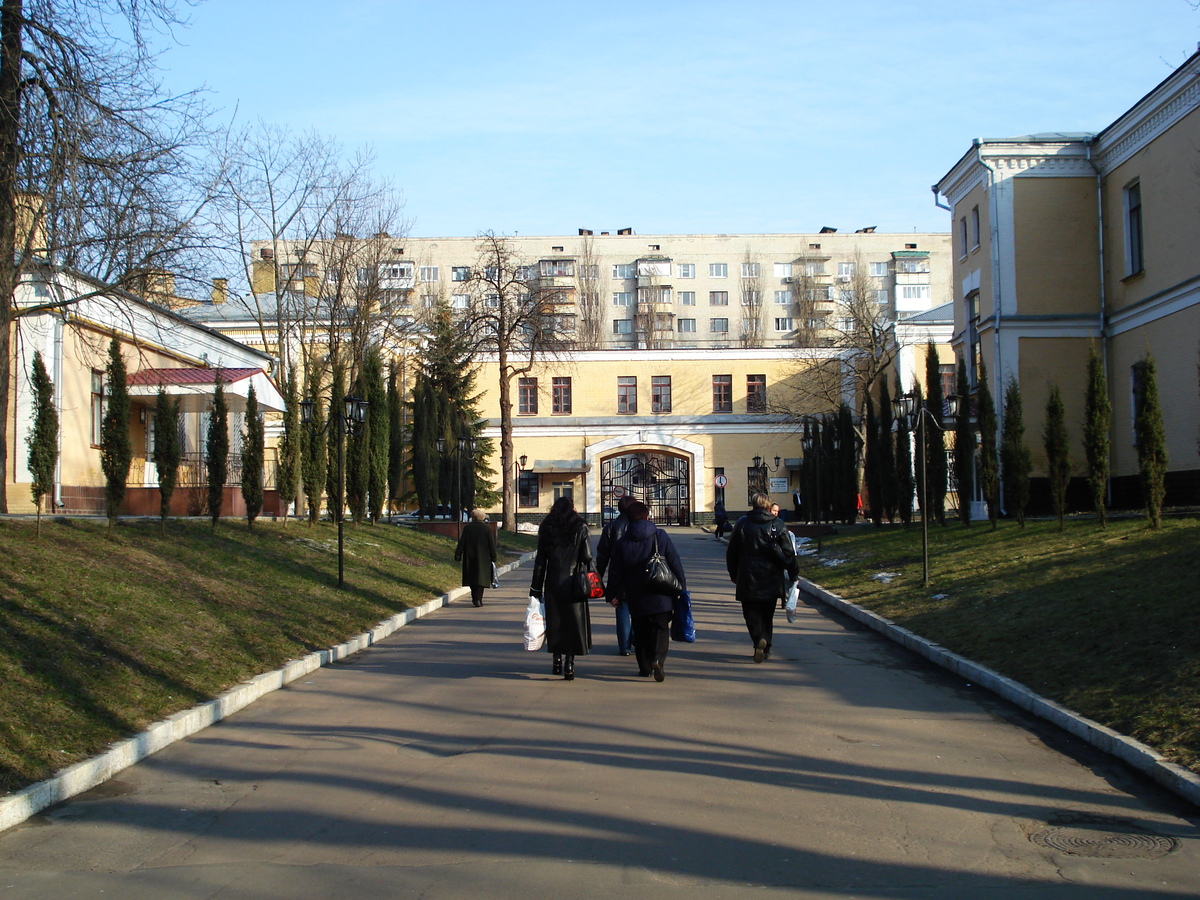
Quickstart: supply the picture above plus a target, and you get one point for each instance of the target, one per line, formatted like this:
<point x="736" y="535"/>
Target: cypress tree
<point x="289" y="445"/>
<point x="43" y="436"/>
<point x="424" y="446"/>
<point x="964" y="446"/>
<point x="378" y="436"/>
<point x="888" y="484"/>
<point x="116" y="447"/>
<point x="989" y="465"/>
<point x="1151" y="440"/>
<point x="904" y="468"/>
<point x="216" y="453"/>
<point x="1097" y="416"/>
<point x="1058" y="452"/>
<point x="167" y="453"/>
<point x="313" y="456"/>
<point x="936" y="467"/>
<point x="252" y="459"/>
<point x="335" y="488"/>
<point x="1016" y="459"/>
<point x="921" y="455"/>
<point x="358" y="465"/>
<point x="871" y="464"/>
<point x="396" y="436"/>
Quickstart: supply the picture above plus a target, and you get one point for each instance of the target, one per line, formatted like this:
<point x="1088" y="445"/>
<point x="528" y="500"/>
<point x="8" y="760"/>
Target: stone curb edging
<point x="85" y="775"/>
<point x="1145" y="759"/>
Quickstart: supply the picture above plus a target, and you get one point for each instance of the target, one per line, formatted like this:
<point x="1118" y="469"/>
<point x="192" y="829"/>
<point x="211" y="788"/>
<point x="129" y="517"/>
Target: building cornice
<point x="1177" y="96"/>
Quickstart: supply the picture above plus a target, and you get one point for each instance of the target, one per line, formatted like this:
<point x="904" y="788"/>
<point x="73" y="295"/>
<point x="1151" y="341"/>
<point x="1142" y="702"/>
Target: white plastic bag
<point x="535" y="624"/>
<point x="792" y="598"/>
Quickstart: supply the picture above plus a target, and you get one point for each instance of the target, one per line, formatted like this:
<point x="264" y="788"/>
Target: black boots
<point x="569" y="668"/>
<point x="557" y="670"/>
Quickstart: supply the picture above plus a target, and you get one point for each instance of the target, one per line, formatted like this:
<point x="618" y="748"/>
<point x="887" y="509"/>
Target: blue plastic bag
<point x="683" y="627"/>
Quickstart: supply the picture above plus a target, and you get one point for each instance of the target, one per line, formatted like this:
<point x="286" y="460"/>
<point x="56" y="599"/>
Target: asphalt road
<point x="447" y="762"/>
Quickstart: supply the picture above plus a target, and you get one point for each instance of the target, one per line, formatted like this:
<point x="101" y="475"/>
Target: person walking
<point x="762" y="563"/>
<point x="610" y="535"/>
<point x="649" y="608"/>
<point x="721" y="519"/>
<point x="791" y="613"/>
<point x="562" y="550"/>
<point x="476" y="551"/>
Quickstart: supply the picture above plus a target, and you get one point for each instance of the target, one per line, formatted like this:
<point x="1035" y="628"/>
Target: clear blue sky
<point x="677" y="117"/>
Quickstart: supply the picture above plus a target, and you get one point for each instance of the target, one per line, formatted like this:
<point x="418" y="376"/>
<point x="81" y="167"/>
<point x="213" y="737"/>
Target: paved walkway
<point x="447" y="762"/>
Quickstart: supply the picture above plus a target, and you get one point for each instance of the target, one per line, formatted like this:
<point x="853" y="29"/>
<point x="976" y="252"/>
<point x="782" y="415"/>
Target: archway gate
<point x="660" y="480"/>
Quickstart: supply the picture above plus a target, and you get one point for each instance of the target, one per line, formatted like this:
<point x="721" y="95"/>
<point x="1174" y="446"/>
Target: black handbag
<point x="587" y="584"/>
<point x="659" y="577"/>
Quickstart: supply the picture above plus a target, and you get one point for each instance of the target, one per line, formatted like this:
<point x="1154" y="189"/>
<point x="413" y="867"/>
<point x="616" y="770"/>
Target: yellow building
<point x="1062" y="241"/>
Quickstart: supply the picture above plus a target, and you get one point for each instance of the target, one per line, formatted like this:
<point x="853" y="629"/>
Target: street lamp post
<point x="345" y="420"/>
<point x="760" y="465"/>
<point x="916" y="416"/>
<point x="468" y="444"/>
<point x="812" y="447"/>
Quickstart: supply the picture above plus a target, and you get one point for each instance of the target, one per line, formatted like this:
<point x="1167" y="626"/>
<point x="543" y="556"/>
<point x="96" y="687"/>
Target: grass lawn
<point x="102" y="635"/>
<point x="1105" y="621"/>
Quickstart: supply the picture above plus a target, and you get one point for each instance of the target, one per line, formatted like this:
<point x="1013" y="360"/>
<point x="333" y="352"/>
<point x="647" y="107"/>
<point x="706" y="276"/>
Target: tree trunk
<point x="11" y="24"/>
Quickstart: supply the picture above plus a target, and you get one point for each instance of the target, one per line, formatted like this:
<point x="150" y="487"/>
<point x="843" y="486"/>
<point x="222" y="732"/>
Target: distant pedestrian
<point x="649" y="607"/>
<point x="721" y="518"/>
<point x="797" y="504"/>
<point x="762" y="563"/>
<point x="477" y="551"/>
<point x="562" y="548"/>
<point x="610" y="535"/>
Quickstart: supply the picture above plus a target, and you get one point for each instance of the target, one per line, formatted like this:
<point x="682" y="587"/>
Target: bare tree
<point x="651" y="319"/>
<point x="591" y="312"/>
<point x="519" y="319"/>
<point x="752" y="327"/>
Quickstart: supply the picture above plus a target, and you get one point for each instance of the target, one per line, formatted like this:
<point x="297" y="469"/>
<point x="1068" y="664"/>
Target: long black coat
<point x="627" y="569"/>
<point x="559" y="557"/>
<point x="760" y="555"/>
<point x="477" y="550"/>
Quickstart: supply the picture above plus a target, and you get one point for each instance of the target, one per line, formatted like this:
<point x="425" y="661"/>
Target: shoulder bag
<point x="659" y="577"/>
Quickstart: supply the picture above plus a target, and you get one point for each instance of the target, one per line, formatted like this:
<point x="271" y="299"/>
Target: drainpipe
<point x="997" y="292"/>
<point x="939" y="204"/>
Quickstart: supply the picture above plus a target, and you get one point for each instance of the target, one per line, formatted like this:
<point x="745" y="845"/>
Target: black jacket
<point x="627" y="572"/>
<point x="559" y="557"/>
<point x="610" y="535"/>
<point x="477" y="550"/>
<point x="759" y="556"/>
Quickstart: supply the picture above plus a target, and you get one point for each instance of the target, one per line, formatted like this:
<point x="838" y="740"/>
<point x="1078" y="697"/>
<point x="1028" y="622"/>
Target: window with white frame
<point x="97" y="406"/>
<point x="751" y="270"/>
<point x="557" y="268"/>
<point x="622" y="326"/>
<point x="878" y="270"/>
<point x="460" y="273"/>
<point x="751" y="298"/>
<point x="718" y="298"/>
<point x="491" y="301"/>
<point x="784" y="323"/>
<point x="845" y="269"/>
<point x="783" y="270"/>
<point x="881" y="297"/>
<point x="974" y="227"/>
<point x="718" y="326"/>
<point x="915" y="291"/>
<point x="622" y="298"/>
<point x="718" y="270"/>
<point x="622" y="271"/>
<point x="845" y="324"/>
<point x="1135" y="260"/>
<point x="591" y="272"/>
<point x="686" y="326"/>
<point x="687" y="298"/>
<point x="814" y="268"/>
<point x="846" y="296"/>
<point x="963" y="246"/>
<point x="913" y="266"/>
<point x="460" y="301"/>
<point x="687" y="270"/>
<point x="783" y="298"/>
<point x="427" y="274"/>
<point x="429" y="301"/>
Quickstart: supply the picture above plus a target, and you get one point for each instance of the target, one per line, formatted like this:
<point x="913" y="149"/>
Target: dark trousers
<point x="477" y="594"/>
<point x="760" y="620"/>
<point x="651" y="639"/>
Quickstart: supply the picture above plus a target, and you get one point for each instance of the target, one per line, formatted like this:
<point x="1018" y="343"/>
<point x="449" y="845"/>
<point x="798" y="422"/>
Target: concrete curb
<point x="1145" y="759"/>
<point x="83" y="776"/>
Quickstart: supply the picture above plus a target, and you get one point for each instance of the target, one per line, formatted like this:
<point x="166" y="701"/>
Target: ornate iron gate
<point x="660" y="480"/>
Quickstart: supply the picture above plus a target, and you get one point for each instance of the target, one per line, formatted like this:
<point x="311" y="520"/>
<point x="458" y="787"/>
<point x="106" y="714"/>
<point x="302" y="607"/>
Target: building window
<point x="622" y="298"/>
<point x="975" y="228"/>
<point x="527" y="396"/>
<point x="460" y="273"/>
<point x="622" y="326"/>
<point x="881" y="297"/>
<point x="783" y="270"/>
<point x="660" y="393"/>
<point x="687" y="270"/>
<point x="622" y="271"/>
<point x="948" y="374"/>
<point x="783" y="323"/>
<point x="560" y="397"/>
<point x="558" y="268"/>
<point x="687" y="298"/>
<point x="718" y="270"/>
<point x="914" y="266"/>
<point x="751" y="298"/>
<point x="491" y="301"/>
<point x="718" y="298"/>
<point x="527" y="490"/>
<point x="718" y="326"/>
<point x="460" y="301"/>
<point x="627" y="394"/>
<point x="563" y="489"/>
<point x="751" y="270"/>
<point x="427" y="273"/>
<point x="686" y="326"/>
<point x="814" y="268"/>
<point x="1135" y="261"/>
<point x="722" y="393"/>
<point x="879" y="270"/>
<point x="846" y="269"/>
<point x="783" y="298"/>
<point x="428" y="301"/>
<point x="756" y="393"/>
<point x="915" y="291"/>
<point x="97" y="406"/>
<point x="962" y="236"/>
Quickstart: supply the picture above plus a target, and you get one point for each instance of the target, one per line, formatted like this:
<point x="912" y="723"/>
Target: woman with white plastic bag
<point x="563" y="552"/>
<point x="535" y="624"/>
<point x="792" y="597"/>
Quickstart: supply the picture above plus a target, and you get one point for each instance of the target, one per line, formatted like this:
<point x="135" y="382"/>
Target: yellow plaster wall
<point x="1055" y="237"/>
<point x="1046" y="361"/>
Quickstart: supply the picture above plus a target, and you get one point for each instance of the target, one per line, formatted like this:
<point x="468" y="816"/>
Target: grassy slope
<point x="1106" y="622"/>
<point x="100" y="636"/>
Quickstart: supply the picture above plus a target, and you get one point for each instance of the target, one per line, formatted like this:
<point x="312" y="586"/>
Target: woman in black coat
<point x="562" y="550"/>
<point x="477" y="551"/>
<point x="650" y="609"/>
<point x="761" y="560"/>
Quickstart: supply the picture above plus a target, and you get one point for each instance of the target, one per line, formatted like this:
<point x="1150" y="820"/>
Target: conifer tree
<point x="889" y="485"/>
<point x="921" y="456"/>
<point x="1097" y="416"/>
<point x="396" y="438"/>
<point x="167" y="453"/>
<point x="43" y="436"/>
<point x="1016" y="459"/>
<point x="378" y="433"/>
<point x="871" y="464"/>
<point x="904" y="468"/>
<point x="116" y="447"/>
<point x="289" y="445"/>
<point x="989" y="464"/>
<point x="252" y="459"/>
<point x="964" y="446"/>
<point x="845" y="458"/>
<point x="1058" y="452"/>
<point x="335" y="488"/>
<point x="936" y="468"/>
<point x="1151" y="440"/>
<point x="216" y="452"/>
<point x="313" y="456"/>
<point x="358" y="464"/>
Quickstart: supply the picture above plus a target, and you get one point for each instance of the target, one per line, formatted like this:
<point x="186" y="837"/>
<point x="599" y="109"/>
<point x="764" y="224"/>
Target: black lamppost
<point x="345" y="420"/>
<point x="916" y="416"/>
<point x="518" y="470"/>
<point x="469" y="445"/>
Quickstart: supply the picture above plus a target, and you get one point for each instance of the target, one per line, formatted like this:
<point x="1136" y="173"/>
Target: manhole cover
<point x="1104" y="839"/>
